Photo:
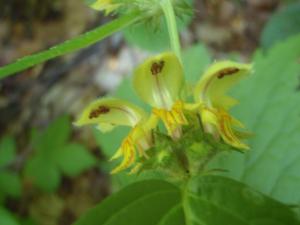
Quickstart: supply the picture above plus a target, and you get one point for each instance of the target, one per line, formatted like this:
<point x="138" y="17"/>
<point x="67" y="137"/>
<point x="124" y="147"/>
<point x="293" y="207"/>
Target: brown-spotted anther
<point x="157" y="67"/>
<point x="227" y="72"/>
<point x="101" y="110"/>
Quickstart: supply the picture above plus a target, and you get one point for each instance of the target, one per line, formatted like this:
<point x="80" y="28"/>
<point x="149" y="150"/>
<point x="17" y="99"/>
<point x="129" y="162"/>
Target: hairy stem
<point x="168" y="10"/>
<point x="71" y="45"/>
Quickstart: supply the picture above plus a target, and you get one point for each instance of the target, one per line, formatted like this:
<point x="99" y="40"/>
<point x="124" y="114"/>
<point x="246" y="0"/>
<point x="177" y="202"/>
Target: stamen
<point x="100" y="110"/>
<point x="227" y="72"/>
<point x="157" y="67"/>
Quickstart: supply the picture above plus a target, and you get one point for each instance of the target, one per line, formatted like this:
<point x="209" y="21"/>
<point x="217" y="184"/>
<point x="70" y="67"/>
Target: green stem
<point x="185" y="206"/>
<point x="71" y="45"/>
<point x="168" y="10"/>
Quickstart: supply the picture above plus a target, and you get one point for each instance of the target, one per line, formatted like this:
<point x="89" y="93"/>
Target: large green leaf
<point x="69" y="46"/>
<point x="282" y="25"/>
<point x="206" y="200"/>
<point x="140" y="203"/>
<point x="214" y="200"/>
<point x="269" y="106"/>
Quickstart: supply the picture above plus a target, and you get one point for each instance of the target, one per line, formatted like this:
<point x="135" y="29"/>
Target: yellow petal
<point x="105" y="127"/>
<point x="119" y="153"/>
<point x="192" y="107"/>
<point x="216" y="81"/>
<point x="109" y="112"/>
<point x="220" y="124"/>
<point x="136" y="168"/>
<point x="210" y="121"/>
<point x="243" y="134"/>
<point x="208" y="116"/>
<point x="172" y="119"/>
<point x="158" y="81"/>
<point x="151" y="123"/>
<point x="142" y="134"/>
<point x="140" y="138"/>
<point x="105" y="5"/>
<point x="128" y="151"/>
<point x="228" y="134"/>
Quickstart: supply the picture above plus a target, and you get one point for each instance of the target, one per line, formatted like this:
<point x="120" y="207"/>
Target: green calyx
<point x="184" y="158"/>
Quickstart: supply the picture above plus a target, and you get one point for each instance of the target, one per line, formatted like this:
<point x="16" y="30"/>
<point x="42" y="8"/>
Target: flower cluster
<point x="159" y="81"/>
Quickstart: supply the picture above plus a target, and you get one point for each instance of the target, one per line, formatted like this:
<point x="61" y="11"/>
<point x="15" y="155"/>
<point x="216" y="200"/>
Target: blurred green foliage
<point x="7" y="218"/>
<point x="281" y="25"/>
<point x="50" y="155"/>
<point x="55" y="156"/>
<point x="10" y="183"/>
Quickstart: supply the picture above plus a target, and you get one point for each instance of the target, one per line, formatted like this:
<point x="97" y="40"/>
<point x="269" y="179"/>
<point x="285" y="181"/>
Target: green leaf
<point x="69" y="46"/>
<point x="42" y="173"/>
<point x="7" y="218"/>
<point x="10" y="184"/>
<point x="209" y="200"/>
<point x="175" y="216"/>
<point x="73" y="159"/>
<point x="7" y="151"/>
<point x="54" y="137"/>
<point x="140" y="203"/>
<point x="269" y="102"/>
<point x="55" y="155"/>
<point x="214" y="200"/>
<point x="281" y="25"/>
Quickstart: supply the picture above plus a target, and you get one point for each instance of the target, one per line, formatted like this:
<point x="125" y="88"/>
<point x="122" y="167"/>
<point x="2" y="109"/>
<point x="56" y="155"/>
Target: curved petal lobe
<point x="158" y="80"/>
<point x="110" y="112"/>
<point x="217" y="80"/>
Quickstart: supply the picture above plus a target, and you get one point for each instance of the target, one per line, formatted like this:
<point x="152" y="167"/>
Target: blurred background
<point x="50" y="172"/>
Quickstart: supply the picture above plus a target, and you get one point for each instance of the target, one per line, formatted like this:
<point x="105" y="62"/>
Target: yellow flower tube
<point x="210" y="94"/>
<point x="158" y="81"/>
<point x="107" y="113"/>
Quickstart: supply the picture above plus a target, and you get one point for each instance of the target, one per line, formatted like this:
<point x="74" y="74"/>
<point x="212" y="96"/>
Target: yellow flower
<point x="210" y="94"/>
<point x="110" y="112"/>
<point x="106" y="5"/>
<point x="158" y="81"/>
